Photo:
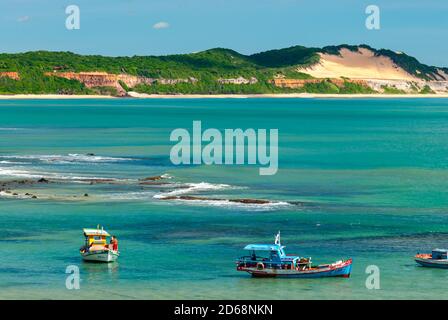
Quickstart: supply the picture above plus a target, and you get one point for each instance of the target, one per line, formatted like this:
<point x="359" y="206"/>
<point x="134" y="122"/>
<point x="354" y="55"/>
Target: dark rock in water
<point x="17" y="182"/>
<point x="297" y="203"/>
<point x="98" y="181"/>
<point x="34" y="197"/>
<point x="187" y="198"/>
<point x="155" y="178"/>
<point x="90" y="154"/>
<point x="192" y="198"/>
<point x="15" y="194"/>
<point x="42" y="180"/>
<point x="86" y="194"/>
<point x="250" y="201"/>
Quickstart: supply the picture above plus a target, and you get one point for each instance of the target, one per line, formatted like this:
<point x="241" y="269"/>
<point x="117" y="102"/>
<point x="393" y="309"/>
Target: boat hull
<point x="432" y="263"/>
<point x="100" y="256"/>
<point x="336" y="270"/>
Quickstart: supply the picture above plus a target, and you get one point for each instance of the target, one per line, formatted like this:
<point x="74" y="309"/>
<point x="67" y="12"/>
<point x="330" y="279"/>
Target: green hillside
<point x="206" y="66"/>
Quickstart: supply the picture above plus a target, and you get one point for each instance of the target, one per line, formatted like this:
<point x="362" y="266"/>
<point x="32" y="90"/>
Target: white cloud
<point x="161" y="25"/>
<point x="23" y="19"/>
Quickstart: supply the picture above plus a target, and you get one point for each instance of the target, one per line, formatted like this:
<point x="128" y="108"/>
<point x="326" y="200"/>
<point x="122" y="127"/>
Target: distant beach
<point x="218" y="96"/>
<point x="284" y="95"/>
<point x="51" y="96"/>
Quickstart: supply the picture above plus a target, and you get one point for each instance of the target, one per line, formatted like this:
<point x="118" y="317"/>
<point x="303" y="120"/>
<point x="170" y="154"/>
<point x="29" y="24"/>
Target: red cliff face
<point x="104" y="79"/>
<point x="91" y="79"/>
<point x="11" y="75"/>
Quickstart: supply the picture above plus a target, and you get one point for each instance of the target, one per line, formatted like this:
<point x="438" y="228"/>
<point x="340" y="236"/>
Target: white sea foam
<point x="275" y="205"/>
<point x="188" y="188"/>
<point x="11" y="162"/>
<point x="4" y="194"/>
<point x="65" y="159"/>
<point x="13" y="172"/>
<point x="28" y="174"/>
<point x="191" y="188"/>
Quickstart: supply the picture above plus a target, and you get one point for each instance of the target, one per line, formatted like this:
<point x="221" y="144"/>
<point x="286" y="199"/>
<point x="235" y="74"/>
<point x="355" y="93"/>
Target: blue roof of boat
<point x="263" y="247"/>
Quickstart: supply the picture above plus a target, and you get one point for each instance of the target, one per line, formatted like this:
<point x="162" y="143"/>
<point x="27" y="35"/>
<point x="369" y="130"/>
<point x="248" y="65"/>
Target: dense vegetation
<point x="392" y="90"/>
<point x="34" y="82"/>
<point x="297" y="55"/>
<point x="426" y="90"/>
<point x="206" y="66"/>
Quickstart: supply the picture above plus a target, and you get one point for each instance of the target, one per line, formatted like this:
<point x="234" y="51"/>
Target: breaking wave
<point x="13" y="195"/>
<point x="65" y="159"/>
<point x="222" y="203"/>
<point x="181" y="195"/>
<point x="27" y="174"/>
<point x="189" y="188"/>
<point x="12" y="172"/>
<point x="11" y="162"/>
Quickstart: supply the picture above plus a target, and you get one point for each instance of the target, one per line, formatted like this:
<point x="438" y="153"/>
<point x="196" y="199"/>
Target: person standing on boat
<point x="114" y="243"/>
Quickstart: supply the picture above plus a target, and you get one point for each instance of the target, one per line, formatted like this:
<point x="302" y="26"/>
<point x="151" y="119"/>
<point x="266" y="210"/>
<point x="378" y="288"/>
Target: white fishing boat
<point x="437" y="259"/>
<point x="96" y="248"/>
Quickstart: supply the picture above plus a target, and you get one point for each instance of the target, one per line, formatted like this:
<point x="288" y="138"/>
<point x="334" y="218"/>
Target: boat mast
<point x="277" y="239"/>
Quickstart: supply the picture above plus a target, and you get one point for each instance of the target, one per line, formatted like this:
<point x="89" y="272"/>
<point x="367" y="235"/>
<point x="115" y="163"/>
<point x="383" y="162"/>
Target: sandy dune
<point x="357" y="65"/>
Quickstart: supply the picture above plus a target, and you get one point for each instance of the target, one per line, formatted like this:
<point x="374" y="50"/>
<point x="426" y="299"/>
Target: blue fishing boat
<point x="270" y="260"/>
<point x="437" y="259"/>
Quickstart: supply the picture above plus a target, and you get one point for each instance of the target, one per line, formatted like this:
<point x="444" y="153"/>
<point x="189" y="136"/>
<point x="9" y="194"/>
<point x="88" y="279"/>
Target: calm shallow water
<point x="372" y="174"/>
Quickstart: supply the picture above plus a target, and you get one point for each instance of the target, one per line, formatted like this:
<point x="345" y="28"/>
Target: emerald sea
<point x="358" y="178"/>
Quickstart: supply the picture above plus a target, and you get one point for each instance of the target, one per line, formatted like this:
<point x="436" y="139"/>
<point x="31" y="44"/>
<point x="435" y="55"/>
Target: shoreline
<point x="51" y="97"/>
<point x="282" y="95"/>
<point x="219" y="96"/>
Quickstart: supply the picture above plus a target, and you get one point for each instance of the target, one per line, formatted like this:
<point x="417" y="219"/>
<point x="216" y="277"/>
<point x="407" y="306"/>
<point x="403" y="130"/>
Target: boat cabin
<point x="440" y="254"/>
<point x="273" y="252"/>
<point x="95" y="238"/>
<point x="271" y="256"/>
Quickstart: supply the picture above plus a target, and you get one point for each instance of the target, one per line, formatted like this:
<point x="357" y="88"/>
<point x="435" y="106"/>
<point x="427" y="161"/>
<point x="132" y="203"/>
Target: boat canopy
<point x="96" y="232"/>
<point x="440" y="254"/>
<point x="263" y="247"/>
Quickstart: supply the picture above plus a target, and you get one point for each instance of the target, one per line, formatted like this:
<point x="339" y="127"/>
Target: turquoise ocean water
<point x="371" y="174"/>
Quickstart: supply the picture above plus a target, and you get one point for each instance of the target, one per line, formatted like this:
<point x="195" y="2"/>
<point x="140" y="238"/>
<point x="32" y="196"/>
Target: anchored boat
<point x="270" y="260"/>
<point x="437" y="259"/>
<point x="96" y="248"/>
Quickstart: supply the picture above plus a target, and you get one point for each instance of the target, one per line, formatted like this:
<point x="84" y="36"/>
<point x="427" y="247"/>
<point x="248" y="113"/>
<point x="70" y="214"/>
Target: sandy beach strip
<point x="282" y="95"/>
<point x="51" y="96"/>
<point x="221" y="96"/>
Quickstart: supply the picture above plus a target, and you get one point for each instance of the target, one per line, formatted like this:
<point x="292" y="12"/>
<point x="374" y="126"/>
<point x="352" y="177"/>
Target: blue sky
<point x="126" y="27"/>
